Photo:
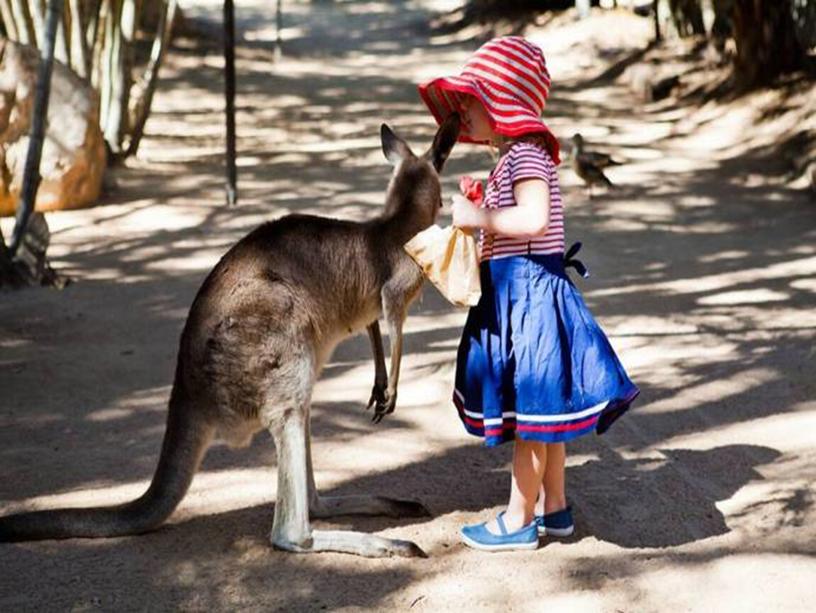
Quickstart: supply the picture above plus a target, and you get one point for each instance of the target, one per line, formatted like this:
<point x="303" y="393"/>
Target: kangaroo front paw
<point x="377" y="396"/>
<point x="383" y="405"/>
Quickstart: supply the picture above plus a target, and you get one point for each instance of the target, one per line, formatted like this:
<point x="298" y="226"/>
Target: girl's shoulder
<point x="526" y="149"/>
<point x="522" y="154"/>
<point x="524" y="160"/>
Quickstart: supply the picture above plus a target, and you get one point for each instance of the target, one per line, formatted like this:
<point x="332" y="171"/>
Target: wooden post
<point x="31" y="173"/>
<point x="278" y="28"/>
<point x="229" y="91"/>
<point x="656" y="11"/>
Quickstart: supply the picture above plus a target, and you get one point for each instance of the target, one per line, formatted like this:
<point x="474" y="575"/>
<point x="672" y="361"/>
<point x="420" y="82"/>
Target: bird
<point x="589" y="164"/>
<point x="601" y="160"/>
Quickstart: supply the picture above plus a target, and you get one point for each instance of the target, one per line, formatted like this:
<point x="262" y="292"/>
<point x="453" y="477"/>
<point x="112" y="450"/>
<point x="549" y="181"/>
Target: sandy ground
<point x="703" y="275"/>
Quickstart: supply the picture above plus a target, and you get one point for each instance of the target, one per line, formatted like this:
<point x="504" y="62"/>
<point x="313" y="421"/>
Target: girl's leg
<point x="539" y="505"/>
<point x="555" y="498"/>
<point x="529" y="461"/>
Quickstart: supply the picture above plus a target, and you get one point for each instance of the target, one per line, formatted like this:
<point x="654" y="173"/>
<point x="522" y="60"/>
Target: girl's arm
<point x="529" y="218"/>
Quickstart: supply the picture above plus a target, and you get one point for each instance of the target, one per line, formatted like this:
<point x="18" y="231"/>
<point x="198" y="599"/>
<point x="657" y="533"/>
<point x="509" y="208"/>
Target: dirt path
<point x="703" y="276"/>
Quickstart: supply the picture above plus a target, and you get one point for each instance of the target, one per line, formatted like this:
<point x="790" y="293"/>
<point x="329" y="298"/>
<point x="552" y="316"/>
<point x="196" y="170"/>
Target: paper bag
<point x="449" y="258"/>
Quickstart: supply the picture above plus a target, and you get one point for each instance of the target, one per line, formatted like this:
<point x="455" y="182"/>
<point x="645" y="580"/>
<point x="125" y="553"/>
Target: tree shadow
<point x="631" y="503"/>
<point x="709" y="263"/>
<point x="662" y="502"/>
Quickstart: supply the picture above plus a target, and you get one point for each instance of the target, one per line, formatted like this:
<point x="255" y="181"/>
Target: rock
<point x="73" y="156"/>
<point x="30" y="265"/>
<point x="663" y="88"/>
<point x="649" y="82"/>
<point x="639" y="77"/>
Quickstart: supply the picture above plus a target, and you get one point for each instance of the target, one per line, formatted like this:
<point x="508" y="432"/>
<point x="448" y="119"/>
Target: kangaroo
<point x="259" y="331"/>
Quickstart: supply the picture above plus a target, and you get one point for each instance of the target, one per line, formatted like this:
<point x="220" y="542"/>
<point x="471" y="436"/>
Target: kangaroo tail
<point x="185" y="442"/>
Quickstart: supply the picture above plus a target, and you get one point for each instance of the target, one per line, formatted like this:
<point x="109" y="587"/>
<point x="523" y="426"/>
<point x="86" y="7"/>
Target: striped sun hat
<point x="509" y="76"/>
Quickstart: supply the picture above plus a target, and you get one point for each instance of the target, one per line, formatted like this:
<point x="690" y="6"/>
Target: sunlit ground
<point x="702" y="275"/>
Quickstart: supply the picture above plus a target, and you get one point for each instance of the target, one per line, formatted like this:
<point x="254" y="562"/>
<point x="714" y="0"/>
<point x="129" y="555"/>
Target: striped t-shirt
<point x="522" y="161"/>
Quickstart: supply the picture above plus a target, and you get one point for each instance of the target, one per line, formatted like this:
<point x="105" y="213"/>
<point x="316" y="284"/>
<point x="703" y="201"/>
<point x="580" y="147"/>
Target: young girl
<point x="533" y="365"/>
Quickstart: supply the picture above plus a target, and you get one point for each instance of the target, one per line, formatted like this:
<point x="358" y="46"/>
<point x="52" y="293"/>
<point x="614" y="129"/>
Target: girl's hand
<point x="472" y="189"/>
<point x="466" y="215"/>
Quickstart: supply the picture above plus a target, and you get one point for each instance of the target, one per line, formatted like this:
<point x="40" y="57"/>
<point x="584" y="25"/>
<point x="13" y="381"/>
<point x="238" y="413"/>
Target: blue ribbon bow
<point x="571" y="262"/>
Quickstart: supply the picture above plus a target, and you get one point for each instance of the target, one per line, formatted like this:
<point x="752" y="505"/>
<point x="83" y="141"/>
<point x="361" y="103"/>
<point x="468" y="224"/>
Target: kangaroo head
<point x="414" y="193"/>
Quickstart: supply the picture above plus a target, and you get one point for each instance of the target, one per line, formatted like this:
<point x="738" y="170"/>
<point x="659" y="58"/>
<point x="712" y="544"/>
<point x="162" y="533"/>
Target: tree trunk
<point x="141" y="109"/>
<point x="766" y="41"/>
<point x="721" y="29"/>
<point x="687" y="16"/>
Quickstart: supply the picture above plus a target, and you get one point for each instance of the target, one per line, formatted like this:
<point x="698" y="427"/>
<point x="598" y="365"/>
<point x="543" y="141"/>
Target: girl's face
<point x="475" y="119"/>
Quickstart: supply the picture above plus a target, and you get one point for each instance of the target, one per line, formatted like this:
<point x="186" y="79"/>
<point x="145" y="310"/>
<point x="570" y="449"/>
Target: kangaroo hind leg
<point x="322" y="507"/>
<point x="291" y="530"/>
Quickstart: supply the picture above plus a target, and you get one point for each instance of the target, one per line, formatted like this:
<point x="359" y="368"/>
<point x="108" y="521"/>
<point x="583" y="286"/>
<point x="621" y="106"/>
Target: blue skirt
<point x="532" y="362"/>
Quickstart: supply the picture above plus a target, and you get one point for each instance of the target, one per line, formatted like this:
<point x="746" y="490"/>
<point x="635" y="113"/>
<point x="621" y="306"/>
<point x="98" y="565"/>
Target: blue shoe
<point x="479" y="537"/>
<point x="558" y="523"/>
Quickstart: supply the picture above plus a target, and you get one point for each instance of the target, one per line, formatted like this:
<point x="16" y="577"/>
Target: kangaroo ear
<point x="393" y="146"/>
<point x="444" y="140"/>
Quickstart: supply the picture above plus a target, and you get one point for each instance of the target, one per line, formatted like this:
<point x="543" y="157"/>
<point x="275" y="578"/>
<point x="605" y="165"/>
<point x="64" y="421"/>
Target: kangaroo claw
<point x="382" y="402"/>
<point x="377" y="396"/>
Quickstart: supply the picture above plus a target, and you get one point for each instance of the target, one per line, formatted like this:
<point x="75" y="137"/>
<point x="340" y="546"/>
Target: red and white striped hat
<point x="509" y="76"/>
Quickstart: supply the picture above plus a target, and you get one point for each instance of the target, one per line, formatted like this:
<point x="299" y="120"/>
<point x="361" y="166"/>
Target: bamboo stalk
<point x="151" y="74"/>
<point x="25" y="26"/>
<point x="124" y="81"/>
<point x="37" y="10"/>
<point x="108" y="65"/>
<point x="31" y="173"/>
<point x="79" y="48"/>
<point x="91" y="29"/>
<point x="98" y="50"/>
<point x="7" y="14"/>
<point x="119" y="83"/>
<point x="61" y="47"/>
